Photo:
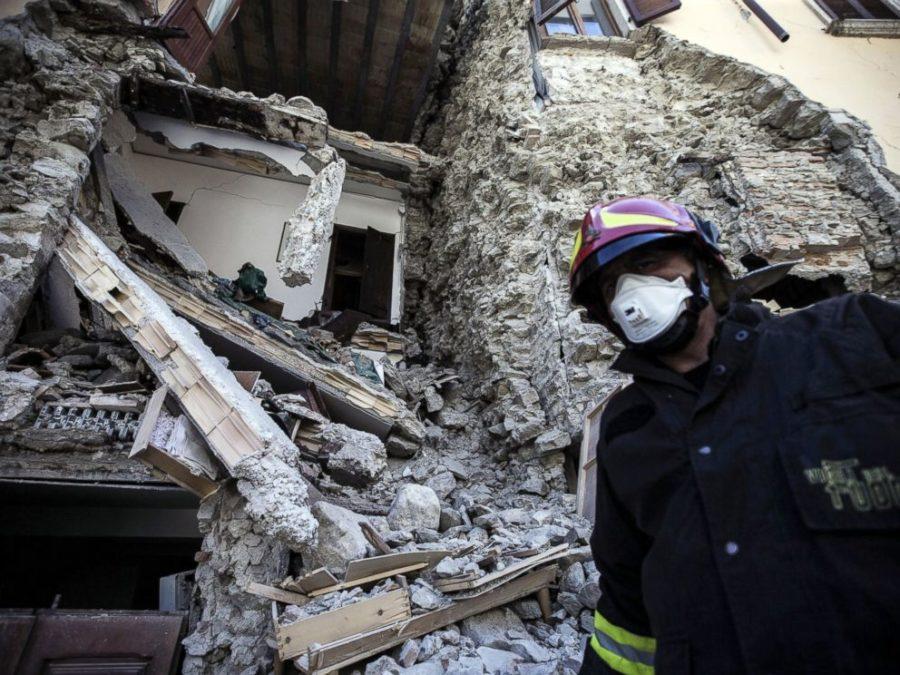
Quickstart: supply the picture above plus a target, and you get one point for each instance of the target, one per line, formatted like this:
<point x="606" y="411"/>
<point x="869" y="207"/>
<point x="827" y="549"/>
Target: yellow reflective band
<point x="619" y="663"/>
<point x="646" y="644"/>
<point x="613" y="220"/>
<point x="575" y="249"/>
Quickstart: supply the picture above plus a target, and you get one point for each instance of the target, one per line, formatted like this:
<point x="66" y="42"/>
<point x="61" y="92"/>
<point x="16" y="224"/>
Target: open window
<point x="360" y="272"/>
<point x="859" y="18"/>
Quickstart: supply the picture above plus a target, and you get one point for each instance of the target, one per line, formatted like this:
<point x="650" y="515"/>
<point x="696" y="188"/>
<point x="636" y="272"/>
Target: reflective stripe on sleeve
<point x="623" y="651"/>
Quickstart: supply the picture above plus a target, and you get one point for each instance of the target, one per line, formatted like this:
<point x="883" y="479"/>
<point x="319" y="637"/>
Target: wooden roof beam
<point x="399" y="51"/>
<point x="302" y="57"/>
<point x="334" y="53"/>
<point x="272" y="54"/>
<point x="426" y="75"/>
<point x="363" y="73"/>
<point x="237" y="32"/>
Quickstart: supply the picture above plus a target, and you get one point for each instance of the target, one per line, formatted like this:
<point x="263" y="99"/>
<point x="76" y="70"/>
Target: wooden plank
<point x="426" y="73"/>
<point x="374" y="538"/>
<point x="269" y="24"/>
<point x="338" y="624"/>
<point x="276" y="594"/>
<point x="319" y="578"/>
<point x="399" y="51"/>
<point x="586" y="491"/>
<point x="334" y="54"/>
<point x="302" y="58"/>
<point x="362" y="73"/>
<point x="365" y="567"/>
<point x="237" y="32"/>
<point x="512" y="570"/>
<point x="338" y="654"/>
<point x="365" y="580"/>
<point x="148" y="421"/>
<point x="247" y="378"/>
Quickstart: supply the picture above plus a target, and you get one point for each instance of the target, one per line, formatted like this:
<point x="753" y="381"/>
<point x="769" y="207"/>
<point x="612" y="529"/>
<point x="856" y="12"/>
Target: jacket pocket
<point x="845" y="475"/>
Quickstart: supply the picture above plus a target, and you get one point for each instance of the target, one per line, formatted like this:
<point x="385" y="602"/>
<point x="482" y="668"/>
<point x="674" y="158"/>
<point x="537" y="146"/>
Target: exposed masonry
<point x="486" y="283"/>
<point x="486" y="258"/>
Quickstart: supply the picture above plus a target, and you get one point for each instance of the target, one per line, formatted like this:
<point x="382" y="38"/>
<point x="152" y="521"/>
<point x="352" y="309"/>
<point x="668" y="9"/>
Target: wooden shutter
<point x="858" y="9"/>
<point x="193" y="51"/>
<point x="545" y="9"/>
<point x="643" y="11"/>
<point x="378" y="275"/>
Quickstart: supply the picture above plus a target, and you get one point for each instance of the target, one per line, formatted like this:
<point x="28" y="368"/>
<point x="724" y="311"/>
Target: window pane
<point x="216" y="12"/>
<point x="561" y="23"/>
<point x="596" y="20"/>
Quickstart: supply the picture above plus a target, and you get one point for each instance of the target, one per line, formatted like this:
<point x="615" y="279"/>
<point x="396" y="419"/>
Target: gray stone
<point x="531" y="651"/>
<point x="534" y="486"/>
<point x="590" y="593"/>
<point x="466" y="665"/>
<point x="527" y="609"/>
<point x="443" y="484"/>
<point x="547" y="668"/>
<point x="16" y="397"/>
<point x="572" y="578"/>
<point x="384" y="665"/>
<point x="456" y="467"/>
<point x="570" y="602"/>
<point x="450" y="517"/>
<point x="448" y="567"/>
<point x="490" y="629"/>
<point x="340" y="539"/>
<point x="401" y="447"/>
<point x="409" y="653"/>
<point x="12" y="52"/>
<point x="429" y="646"/>
<point x="360" y="459"/>
<point x="498" y="661"/>
<point x="423" y="596"/>
<point x="414" y="507"/>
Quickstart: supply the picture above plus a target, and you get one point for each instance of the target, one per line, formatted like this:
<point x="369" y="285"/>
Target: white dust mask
<point x="646" y="307"/>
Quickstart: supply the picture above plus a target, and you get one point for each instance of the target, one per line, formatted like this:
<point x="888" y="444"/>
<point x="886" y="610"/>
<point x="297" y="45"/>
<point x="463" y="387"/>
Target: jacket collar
<point x="746" y="315"/>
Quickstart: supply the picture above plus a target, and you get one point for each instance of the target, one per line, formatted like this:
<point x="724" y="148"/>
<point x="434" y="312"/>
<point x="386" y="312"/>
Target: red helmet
<point x="611" y="230"/>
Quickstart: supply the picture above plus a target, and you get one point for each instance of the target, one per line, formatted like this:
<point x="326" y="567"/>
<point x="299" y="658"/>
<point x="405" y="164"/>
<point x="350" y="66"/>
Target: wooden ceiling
<point x="367" y="62"/>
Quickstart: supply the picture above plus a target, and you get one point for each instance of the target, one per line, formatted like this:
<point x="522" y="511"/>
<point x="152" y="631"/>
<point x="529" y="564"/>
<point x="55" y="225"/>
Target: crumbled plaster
<point x="488" y="250"/>
<point x="308" y="230"/>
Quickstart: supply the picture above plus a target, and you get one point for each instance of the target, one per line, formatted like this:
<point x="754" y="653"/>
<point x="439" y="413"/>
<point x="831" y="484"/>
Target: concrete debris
<point x="309" y="228"/>
<point x="415" y="507"/>
<point x="338" y="541"/>
<point x="355" y="457"/>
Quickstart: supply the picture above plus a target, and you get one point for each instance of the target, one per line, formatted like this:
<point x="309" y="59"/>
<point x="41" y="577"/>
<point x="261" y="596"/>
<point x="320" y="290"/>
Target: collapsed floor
<point x="468" y="470"/>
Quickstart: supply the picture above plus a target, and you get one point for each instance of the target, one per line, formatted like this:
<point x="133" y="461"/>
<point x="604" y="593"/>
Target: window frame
<point x="857" y="27"/>
<point x="571" y="6"/>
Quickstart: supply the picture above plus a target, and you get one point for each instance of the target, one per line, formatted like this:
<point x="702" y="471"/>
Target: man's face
<point x="652" y="261"/>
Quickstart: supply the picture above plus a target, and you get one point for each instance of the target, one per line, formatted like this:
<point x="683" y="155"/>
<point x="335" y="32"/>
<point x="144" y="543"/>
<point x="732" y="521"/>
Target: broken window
<point x="205" y="21"/>
<point x="360" y="272"/>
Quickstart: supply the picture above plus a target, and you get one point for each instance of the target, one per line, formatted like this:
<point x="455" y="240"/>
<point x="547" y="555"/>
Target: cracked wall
<point x="783" y="177"/>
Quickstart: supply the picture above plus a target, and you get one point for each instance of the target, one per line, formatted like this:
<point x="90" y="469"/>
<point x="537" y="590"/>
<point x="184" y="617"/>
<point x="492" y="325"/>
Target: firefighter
<point x="748" y="480"/>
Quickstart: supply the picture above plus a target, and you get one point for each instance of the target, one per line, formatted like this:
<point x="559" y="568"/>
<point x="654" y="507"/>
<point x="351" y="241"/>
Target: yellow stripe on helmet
<point x="613" y="220"/>
<point x="575" y="249"/>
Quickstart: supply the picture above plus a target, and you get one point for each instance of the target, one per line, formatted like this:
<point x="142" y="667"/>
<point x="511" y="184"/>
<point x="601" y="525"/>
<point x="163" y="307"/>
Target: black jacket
<point x="754" y="526"/>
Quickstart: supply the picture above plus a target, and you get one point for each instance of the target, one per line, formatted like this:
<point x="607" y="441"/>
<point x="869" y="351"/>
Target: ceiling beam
<point x="400" y="49"/>
<point x="426" y="75"/>
<point x="272" y="54"/>
<point x="237" y="32"/>
<point x="215" y="70"/>
<point x="362" y="77"/>
<point x="302" y="81"/>
<point x="334" y="49"/>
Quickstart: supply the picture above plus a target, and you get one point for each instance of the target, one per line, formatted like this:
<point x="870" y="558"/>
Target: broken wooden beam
<point x="360" y="617"/>
<point x="339" y="653"/>
<point x="276" y="594"/>
<point x="489" y="581"/>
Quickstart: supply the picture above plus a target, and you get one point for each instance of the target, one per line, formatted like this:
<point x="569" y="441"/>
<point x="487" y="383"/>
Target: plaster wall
<point x="233" y="217"/>
<point x="860" y="75"/>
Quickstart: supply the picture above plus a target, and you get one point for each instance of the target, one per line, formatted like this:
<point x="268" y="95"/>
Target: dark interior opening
<point x="793" y="291"/>
<point x="347" y="270"/>
<point x="89" y="572"/>
<point x="360" y="272"/>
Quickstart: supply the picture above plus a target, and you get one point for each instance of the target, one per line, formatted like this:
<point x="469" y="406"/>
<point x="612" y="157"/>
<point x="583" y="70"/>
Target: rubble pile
<point x="71" y="391"/>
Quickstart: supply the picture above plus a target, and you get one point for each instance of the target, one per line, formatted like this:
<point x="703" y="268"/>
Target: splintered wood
<point x="338" y="638"/>
<point x="114" y="288"/>
<point x="328" y="377"/>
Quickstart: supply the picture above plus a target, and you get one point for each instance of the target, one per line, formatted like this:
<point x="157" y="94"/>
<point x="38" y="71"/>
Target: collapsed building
<point x="367" y="448"/>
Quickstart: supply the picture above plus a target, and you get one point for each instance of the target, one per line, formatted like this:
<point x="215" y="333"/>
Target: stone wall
<point x="784" y="178"/>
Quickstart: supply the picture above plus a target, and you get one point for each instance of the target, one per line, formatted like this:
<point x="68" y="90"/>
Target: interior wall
<point x="233" y="217"/>
<point x="860" y="75"/>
